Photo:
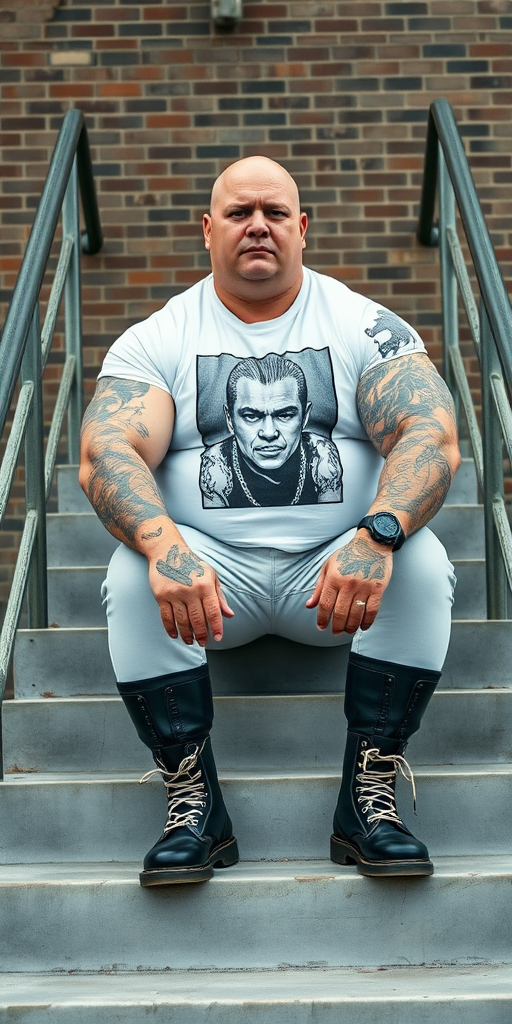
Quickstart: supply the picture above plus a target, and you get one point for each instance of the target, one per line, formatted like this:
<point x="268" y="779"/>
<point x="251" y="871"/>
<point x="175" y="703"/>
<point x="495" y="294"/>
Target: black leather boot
<point x="384" y="705"/>
<point x="173" y="716"/>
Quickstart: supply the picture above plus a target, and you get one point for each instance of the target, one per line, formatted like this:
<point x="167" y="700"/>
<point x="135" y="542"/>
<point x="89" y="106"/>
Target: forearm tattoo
<point x="407" y="412"/>
<point x="153" y="533"/>
<point x="121" y="487"/>
<point x="179" y="566"/>
<point x="361" y="560"/>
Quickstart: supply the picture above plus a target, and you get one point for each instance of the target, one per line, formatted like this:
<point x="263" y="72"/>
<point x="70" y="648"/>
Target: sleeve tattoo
<point x="407" y="412"/>
<point x="120" y="487"/>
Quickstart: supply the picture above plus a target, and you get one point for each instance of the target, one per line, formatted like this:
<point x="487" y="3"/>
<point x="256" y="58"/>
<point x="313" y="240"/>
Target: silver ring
<point x="362" y="604"/>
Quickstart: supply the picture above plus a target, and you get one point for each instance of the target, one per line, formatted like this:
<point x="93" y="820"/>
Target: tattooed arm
<point x="407" y="412"/>
<point x="126" y="433"/>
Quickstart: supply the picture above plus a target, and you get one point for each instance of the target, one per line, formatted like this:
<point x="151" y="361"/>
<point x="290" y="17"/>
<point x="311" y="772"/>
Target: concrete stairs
<point x="285" y="937"/>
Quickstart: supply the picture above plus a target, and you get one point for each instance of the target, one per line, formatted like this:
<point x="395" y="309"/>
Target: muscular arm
<point x="126" y="433"/>
<point x="408" y="414"/>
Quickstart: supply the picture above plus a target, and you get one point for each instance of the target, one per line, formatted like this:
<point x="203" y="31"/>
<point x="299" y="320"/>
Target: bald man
<point x="214" y="449"/>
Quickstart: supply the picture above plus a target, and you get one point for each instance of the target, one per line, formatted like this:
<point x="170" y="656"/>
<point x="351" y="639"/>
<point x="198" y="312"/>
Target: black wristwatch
<point x="385" y="528"/>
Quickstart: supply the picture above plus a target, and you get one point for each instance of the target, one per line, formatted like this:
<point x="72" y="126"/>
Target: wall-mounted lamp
<point x="226" y="13"/>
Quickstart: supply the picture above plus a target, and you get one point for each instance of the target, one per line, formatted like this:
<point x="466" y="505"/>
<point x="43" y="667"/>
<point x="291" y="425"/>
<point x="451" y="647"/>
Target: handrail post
<point x="37" y="591"/>
<point x="496" y="579"/>
<point x="448" y="275"/>
<point x="73" y="313"/>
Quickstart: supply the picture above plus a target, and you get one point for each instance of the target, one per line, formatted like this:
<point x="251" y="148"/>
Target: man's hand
<point x="189" y="595"/>
<point x="351" y="584"/>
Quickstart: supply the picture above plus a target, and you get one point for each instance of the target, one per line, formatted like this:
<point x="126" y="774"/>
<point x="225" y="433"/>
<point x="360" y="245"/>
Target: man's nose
<point x="257" y="224"/>
<point x="268" y="429"/>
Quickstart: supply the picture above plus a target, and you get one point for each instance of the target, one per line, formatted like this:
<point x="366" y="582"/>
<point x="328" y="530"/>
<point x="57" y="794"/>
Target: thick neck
<point x="260" y="308"/>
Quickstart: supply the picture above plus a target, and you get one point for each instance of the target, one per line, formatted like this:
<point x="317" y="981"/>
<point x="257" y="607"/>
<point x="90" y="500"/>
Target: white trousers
<point x="267" y="590"/>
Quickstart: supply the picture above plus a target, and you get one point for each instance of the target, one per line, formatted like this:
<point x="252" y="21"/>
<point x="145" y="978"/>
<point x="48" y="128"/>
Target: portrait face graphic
<point x="267" y="420"/>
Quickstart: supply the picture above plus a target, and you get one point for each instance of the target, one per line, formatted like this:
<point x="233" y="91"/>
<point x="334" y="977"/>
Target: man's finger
<point x="212" y="611"/>
<point x="224" y="606"/>
<point x="370" y="614"/>
<point x="356" y="614"/>
<point x="315" y="596"/>
<point x="326" y="603"/>
<point x="167" y="615"/>
<point x="183" y="622"/>
<point x="198" y="622"/>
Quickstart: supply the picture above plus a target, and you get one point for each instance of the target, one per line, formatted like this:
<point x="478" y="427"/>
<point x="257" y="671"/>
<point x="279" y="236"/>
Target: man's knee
<point x="423" y="562"/>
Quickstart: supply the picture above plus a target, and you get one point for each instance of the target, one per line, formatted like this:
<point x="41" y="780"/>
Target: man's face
<point x="255" y="232"/>
<point x="267" y="421"/>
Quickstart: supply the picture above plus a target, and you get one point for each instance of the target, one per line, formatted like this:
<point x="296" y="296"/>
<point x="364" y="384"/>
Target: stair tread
<point x="203" y="988"/>
<point x="122" y="872"/>
<point x="246" y="774"/>
<point x="114" y="698"/>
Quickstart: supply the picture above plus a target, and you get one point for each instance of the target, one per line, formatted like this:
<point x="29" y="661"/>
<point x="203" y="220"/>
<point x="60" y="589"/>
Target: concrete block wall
<point x="337" y="91"/>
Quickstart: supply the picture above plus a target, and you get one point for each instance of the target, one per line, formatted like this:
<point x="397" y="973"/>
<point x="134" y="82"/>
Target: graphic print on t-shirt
<point x="266" y="424"/>
<point x="398" y="333"/>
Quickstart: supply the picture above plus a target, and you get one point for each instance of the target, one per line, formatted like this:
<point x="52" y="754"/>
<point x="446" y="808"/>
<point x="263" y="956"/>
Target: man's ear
<point x="303" y="224"/>
<point x="306" y="415"/>
<point x="207" y="229"/>
<point x="229" y="421"/>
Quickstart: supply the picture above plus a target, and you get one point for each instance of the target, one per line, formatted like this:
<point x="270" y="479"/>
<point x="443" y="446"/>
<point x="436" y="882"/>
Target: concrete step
<point x="464" y="489"/>
<point x="72" y="662"/>
<point x="74" y="596"/>
<point x="74" y="588"/>
<point x="90" y="917"/>
<point x="299" y="731"/>
<point x="470" y="593"/>
<point x="461" y="530"/>
<point x="413" y="995"/>
<point x="462" y="809"/>
<point x="78" y="538"/>
<point x="70" y="495"/>
<point x="72" y="499"/>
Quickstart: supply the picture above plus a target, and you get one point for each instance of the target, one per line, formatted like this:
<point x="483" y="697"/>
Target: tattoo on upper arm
<point x="407" y="411"/>
<point x="120" y="487"/>
<point x="409" y="386"/>
<point x="179" y="566"/>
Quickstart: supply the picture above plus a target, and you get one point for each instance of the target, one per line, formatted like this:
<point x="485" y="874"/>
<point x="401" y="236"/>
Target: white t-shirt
<point x="268" y="449"/>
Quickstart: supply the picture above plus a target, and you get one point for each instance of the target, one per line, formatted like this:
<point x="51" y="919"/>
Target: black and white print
<point x="390" y="333"/>
<point x="266" y="424"/>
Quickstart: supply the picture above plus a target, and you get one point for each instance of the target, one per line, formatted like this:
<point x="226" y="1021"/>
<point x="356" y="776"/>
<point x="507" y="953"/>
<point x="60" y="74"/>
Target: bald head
<point x="255" y="170"/>
<point x="254" y="233"/>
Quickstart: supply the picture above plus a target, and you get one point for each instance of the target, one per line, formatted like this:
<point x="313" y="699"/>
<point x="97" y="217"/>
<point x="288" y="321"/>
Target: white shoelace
<point x="187" y="790"/>
<point x="376" y="792"/>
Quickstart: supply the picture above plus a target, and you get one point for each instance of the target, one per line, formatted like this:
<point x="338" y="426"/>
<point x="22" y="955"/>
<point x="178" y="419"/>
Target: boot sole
<point x="223" y="856"/>
<point x="343" y="852"/>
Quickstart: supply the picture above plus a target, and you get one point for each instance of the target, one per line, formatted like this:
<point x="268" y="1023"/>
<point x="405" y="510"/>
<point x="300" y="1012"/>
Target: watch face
<point x="386" y="525"/>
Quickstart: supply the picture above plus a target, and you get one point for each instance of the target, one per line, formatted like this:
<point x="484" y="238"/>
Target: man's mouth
<point x="270" y="449"/>
<point x="258" y="249"/>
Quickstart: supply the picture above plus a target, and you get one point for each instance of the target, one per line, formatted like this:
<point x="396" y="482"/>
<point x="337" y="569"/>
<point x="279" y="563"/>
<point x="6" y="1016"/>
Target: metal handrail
<point x="447" y="174"/>
<point x="24" y="350"/>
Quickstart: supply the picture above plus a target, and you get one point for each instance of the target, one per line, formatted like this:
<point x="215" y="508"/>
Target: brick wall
<point x="336" y="91"/>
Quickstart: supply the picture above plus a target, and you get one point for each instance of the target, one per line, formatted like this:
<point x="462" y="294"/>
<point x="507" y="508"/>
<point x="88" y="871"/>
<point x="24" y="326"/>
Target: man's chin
<point x="259" y="269"/>
<point x="267" y="465"/>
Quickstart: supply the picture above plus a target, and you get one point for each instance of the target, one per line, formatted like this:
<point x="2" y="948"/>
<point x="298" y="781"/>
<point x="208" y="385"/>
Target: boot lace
<point x="182" y="788"/>
<point x="376" y="792"/>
